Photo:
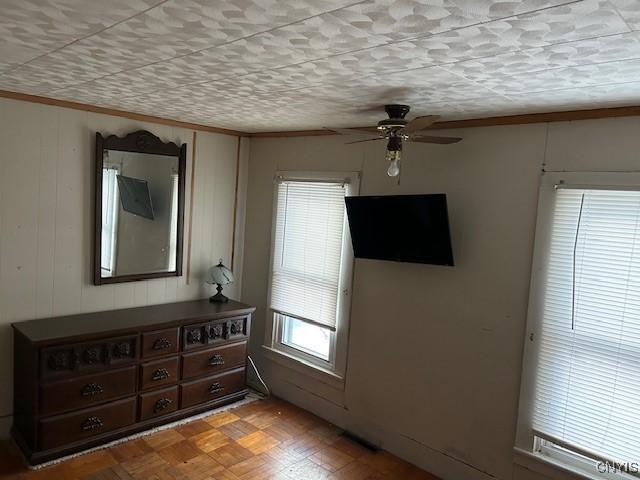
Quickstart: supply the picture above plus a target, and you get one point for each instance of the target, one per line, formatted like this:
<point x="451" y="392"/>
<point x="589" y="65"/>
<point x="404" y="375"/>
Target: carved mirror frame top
<point x="140" y="141"/>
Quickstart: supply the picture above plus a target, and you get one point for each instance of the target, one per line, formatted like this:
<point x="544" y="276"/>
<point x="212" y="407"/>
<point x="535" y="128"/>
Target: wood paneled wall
<point x="46" y="205"/>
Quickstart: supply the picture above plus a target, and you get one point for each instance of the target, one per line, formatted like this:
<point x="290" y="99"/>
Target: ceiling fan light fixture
<point x="397" y="129"/>
<point x="394" y="165"/>
<point x="393" y="155"/>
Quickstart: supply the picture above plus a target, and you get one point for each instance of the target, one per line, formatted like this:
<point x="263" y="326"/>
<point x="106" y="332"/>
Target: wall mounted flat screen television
<point x="135" y="196"/>
<point x="401" y="228"/>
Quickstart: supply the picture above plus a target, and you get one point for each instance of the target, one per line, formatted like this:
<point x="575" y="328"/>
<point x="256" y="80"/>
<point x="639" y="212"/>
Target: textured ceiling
<point x="266" y="65"/>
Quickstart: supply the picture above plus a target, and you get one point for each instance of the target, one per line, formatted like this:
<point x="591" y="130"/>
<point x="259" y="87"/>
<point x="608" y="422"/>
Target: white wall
<point x="435" y="352"/>
<point x="46" y="219"/>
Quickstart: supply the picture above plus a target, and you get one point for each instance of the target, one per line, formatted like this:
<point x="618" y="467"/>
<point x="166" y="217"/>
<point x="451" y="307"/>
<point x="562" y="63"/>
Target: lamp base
<point x="218" y="297"/>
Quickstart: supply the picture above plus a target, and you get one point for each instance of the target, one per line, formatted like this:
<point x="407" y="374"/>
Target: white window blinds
<point x="307" y="250"/>
<point x="173" y="229"/>
<point x="110" y="207"/>
<point x="588" y="373"/>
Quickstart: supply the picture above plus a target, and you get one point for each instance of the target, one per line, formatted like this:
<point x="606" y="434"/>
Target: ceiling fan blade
<point x="431" y="139"/>
<point x="419" y="123"/>
<point x="352" y="131"/>
<point x="366" y="140"/>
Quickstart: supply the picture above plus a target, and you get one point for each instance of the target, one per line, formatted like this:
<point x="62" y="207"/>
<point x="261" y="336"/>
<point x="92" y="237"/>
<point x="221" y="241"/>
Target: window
<point x="109" y="219"/>
<point x="581" y="379"/>
<point x="310" y="268"/>
<point x="306" y="337"/>
<point x="173" y="230"/>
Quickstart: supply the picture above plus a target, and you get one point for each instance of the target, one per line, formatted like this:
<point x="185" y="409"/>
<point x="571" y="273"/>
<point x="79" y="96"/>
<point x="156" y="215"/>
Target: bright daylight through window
<point x="584" y="340"/>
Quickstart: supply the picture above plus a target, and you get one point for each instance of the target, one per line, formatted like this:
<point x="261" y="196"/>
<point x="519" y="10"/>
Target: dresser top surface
<point x="46" y="330"/>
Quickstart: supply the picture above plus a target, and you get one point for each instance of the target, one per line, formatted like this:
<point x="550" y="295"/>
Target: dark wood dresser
<point x="84" y="380"/>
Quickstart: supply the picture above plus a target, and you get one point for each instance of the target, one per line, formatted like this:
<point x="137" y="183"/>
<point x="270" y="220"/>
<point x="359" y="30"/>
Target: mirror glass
<point x="139" y="233"/>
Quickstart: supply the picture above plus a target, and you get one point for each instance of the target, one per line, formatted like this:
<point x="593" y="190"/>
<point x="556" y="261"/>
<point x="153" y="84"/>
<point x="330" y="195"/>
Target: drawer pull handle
<point x="91" y="389"/>
<point x="161" y="344"/>
<point x="160" y="374"/>
<point x="162" y="404"/>
<point x="215" y="388"/>
<point x="91" y="423"/>
<point x="216" y="360"/>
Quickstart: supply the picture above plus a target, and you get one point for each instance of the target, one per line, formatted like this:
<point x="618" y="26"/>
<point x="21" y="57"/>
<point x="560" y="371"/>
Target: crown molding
<point x="546" y="117"/>
<point x="118" y="113"/>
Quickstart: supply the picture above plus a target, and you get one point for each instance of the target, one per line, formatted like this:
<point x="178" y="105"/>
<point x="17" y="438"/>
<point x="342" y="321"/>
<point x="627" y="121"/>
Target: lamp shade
<point x="220" y="274"/>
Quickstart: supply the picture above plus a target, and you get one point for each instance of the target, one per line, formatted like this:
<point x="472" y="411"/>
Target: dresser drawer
<point x="158" y="373"/>
<point x="75" y="426"/>
<point x="214" y="360"/>
<point x="158" y="403"/>
<point x="210" y="388"/>
<point x="161" y="342"/>
<point x="81" y="358"/>
<point x="204" y="334"/>
<point x="82" y="392"/>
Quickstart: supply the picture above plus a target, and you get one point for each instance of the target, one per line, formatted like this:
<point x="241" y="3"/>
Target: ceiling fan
<point x="395" y="130"/>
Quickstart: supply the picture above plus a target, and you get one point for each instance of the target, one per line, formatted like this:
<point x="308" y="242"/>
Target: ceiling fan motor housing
<point x="392" y="124"/>
<point x="396" y="119"/>
<point x="396" y="111"/>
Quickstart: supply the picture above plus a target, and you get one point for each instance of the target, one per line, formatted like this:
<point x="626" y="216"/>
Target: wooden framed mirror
<point x="139" y="208"/>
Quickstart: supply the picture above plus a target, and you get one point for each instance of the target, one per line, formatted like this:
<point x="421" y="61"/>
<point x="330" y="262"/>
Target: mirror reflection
<point x="139" y="213"/>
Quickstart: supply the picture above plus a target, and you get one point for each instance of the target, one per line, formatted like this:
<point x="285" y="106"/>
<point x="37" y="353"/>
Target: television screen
<point x="401" y="228"/>
<point x="135" y="197"/>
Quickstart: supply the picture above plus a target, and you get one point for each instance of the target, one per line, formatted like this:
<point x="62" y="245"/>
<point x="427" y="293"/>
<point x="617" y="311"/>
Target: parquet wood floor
<point x="266" y="439"/>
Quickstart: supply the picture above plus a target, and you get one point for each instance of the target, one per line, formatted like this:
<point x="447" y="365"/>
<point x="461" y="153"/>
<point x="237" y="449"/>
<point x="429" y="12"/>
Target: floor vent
<point x="360" y="441"/>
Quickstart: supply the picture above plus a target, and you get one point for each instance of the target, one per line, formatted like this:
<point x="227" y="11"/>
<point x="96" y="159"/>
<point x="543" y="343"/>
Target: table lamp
<point x="219" y="275"/>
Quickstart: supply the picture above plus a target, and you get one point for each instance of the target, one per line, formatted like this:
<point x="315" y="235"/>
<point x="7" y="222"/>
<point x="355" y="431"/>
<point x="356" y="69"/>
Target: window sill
<point x="554" y="469"/>
<point x="323" y="375"/>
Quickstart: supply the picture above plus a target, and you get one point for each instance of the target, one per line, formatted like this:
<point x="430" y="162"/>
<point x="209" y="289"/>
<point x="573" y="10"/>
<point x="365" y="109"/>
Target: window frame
<point x="527" y="444"/>
<point x="335" y="367"/>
